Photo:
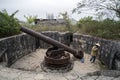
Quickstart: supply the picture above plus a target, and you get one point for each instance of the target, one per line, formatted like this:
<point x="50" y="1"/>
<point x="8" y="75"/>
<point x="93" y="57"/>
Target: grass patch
<point x="60" y="28"/>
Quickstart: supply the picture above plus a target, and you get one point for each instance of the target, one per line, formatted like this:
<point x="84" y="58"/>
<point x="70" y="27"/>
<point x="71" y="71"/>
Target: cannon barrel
<point x="76" y="53"/>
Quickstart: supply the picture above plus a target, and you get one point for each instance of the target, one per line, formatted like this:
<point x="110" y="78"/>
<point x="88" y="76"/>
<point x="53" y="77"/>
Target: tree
<point x="9" y="25"/>
<point x="67" y="20"/>
<point x="30" y="18"/>
<point x="104" y="7"/>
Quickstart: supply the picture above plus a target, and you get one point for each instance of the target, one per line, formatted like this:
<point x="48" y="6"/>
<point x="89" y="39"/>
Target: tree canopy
<point x="9" y="25"/>
<point x="104" y="7"/>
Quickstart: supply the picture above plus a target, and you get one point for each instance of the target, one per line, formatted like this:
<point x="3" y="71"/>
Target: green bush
<point x="30" y="19"/>
<point x="8" y="24"/>
<point x="107" y="28"/>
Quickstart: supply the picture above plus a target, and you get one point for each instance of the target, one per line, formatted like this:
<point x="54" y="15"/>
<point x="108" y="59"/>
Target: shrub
<point x="30" y="19"/>
<point x="8" y="24"/>
<point x="107" y="28"/>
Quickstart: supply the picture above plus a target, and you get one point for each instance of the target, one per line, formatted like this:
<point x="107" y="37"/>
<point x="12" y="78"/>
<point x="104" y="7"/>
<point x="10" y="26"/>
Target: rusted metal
<point x="61" y="61"/>
<point x="56" y="56"/>
<point x="55" y="52"/>
<point x="76" y="53"/>
<point x="57" y="59"/>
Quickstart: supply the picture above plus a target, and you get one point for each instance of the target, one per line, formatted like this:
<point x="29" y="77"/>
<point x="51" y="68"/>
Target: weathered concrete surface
<point x="16" y="47"/>
<point x="109" y="50"/>
<point x="31" y="63"/>
<point x="63" y="37"/>
<point x="14" y="74"/>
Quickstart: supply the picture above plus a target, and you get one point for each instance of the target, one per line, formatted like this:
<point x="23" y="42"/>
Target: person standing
<point x="94" y="52"/>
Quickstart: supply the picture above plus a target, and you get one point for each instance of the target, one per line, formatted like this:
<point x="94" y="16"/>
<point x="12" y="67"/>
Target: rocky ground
<point x="28" y="68"/>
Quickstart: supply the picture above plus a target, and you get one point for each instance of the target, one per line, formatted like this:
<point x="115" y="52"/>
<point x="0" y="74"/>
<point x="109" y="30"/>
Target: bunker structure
<point x="56" y="57"/>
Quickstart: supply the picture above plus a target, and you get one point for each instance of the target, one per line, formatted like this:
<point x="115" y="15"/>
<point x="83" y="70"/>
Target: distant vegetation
<point x="8" y="24"/>
<point x="62" y="28"/>
<point x="30" y="19"/>
<point x="106" y="28"/>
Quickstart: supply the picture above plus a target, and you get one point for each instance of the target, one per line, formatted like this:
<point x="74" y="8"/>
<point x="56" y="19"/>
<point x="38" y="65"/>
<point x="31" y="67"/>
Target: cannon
<point x="55" y="58"/>
<point x="76" y="53"/>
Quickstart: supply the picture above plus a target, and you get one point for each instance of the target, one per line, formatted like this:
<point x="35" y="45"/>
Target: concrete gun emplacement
<point x="76" y="53"/>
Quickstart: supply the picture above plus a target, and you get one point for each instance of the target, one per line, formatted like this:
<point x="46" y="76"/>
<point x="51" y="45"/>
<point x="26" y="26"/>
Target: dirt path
<point x="32" y="62"/>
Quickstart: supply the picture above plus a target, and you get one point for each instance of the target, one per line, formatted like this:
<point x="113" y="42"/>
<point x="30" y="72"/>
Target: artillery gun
<point x="55" y="55"/>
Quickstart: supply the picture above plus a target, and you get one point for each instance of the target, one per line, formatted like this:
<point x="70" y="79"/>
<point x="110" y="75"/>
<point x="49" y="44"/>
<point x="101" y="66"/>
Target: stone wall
<point x="64" y="37"/>
<point x="109" y="50"/>
<point x="17" y="46"/>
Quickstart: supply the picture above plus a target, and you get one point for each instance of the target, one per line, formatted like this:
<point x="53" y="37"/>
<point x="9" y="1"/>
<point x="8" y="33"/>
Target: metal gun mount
<point x="55" y="56"/>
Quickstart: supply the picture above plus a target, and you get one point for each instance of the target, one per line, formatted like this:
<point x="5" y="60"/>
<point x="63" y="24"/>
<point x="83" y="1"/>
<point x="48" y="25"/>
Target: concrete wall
<point x="16" y="47"/>
<point x="109" y="50"/>
<point x="64" y="37"/>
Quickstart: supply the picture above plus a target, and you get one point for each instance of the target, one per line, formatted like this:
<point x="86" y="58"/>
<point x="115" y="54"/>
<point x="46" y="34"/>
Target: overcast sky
<point x="40" y="7"/>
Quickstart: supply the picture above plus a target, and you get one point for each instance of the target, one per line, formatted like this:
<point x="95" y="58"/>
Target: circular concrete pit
<point x="33" y="61"/>
<point x="29" y="68"/>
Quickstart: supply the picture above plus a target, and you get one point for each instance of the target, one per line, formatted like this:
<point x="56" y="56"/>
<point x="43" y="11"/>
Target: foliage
<point x="60" y="28"/>
<point x="107" y="28"/>
<point x="67" y="20"/>
<point x="30" y="19"/>
<point x="8" y="24"/>
<point x="86" y="19"/>
<point x="104" y="7"/>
